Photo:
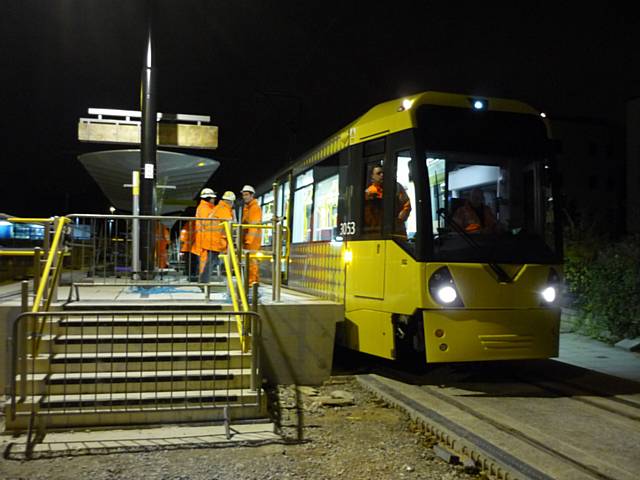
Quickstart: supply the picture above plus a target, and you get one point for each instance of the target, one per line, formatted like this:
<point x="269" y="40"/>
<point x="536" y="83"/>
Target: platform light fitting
<point x="543" y="115"/>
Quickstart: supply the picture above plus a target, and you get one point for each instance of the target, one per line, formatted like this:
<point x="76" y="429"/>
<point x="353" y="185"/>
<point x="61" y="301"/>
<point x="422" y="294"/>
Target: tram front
<point x="491" y="243"/>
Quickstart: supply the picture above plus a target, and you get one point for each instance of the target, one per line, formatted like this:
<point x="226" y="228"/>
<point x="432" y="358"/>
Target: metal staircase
<point x="87" y="368"/>
<point x="136" y="367"/>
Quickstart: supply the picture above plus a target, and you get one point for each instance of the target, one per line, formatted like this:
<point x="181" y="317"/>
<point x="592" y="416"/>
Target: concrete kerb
<point x="170" y="437"/>
<point x="629" y="344"/>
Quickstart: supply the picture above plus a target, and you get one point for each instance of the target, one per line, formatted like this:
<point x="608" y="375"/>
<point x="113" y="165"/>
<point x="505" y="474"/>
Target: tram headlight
<point x="443" y="289"/>
<point x="549" y="294"/>
<point x="447" y="294"/>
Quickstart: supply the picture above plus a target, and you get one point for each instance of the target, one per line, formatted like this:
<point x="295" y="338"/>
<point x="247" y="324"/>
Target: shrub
<point x="604" y="281"/>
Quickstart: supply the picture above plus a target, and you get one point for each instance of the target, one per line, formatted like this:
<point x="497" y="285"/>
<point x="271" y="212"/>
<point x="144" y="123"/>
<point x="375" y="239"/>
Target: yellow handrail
<point x="53" y="251"/>
<point x="47" y="268"/>
<point x="234" y="301"/>
<point x="29" y="220"/>
<point x="231" y="261"/>
<point x="236" y="265"/>
<point x="17" y="253"/>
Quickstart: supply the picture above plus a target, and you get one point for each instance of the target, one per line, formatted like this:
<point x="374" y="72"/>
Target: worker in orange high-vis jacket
<point x="222" y="212"/>
<point x="162" y="245"/>
<point x="187" y="240"/>
<point x="203" y="243"/>
<point x="252" y="240"/>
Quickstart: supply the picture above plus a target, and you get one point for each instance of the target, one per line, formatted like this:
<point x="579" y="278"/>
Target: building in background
<point x="591" y="173"/>
<point x="633" y="165"/>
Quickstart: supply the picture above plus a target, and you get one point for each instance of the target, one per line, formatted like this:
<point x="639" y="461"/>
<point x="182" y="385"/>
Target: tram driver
<point x="474" y="216"/>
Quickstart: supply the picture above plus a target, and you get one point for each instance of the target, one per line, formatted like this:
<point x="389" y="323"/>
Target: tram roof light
<point x="543" y="115"/>
<point x="407" y="104"/>
<point x="479" y="104"/>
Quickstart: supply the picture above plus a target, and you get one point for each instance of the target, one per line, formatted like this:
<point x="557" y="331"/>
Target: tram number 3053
<point x="348" y="228"/>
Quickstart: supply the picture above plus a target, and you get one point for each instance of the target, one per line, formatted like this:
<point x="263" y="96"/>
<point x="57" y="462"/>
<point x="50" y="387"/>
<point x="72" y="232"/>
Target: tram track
<point x="626" y="409"/>
<point x="522" y="436"/>
<point x="522" y="424"/>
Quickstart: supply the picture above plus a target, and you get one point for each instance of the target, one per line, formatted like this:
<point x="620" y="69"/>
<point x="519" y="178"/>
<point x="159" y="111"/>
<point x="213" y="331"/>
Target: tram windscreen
<point x="490" y="208"/>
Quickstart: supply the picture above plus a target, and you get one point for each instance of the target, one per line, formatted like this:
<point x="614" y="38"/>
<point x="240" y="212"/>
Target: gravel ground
<point x="348" y="433"/>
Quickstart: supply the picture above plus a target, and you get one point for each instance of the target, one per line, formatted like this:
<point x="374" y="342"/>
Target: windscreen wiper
<point x="503" y="277"/>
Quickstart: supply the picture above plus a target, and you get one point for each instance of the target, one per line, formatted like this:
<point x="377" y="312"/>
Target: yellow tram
<point x="432" y="218"/>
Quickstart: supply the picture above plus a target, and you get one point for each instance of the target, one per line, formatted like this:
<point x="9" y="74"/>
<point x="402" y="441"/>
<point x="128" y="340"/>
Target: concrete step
<point x="140" y="381"/>
<point x="150" y="342"/>
<point x="123" y="361"/>
<point x="108" y="402"/>
<point x="146" y="415"/>
<point x="122" y="325"/>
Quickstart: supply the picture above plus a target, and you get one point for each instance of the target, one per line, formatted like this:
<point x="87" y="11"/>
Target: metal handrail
<point x="265" y="226"/>
<point x="231" y="264"/>
<point x="18" y="253"/>
<point x="20" y="357"/>
<point x="29" y="220"/>
<point x="53" y="251"/>
<point x="54" y="254"/>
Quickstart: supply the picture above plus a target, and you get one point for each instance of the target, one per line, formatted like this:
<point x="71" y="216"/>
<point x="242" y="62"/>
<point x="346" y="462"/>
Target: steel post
<point x="148" y="154"/>
<point x="135" y="226"/>
<point x="277" y="248"/>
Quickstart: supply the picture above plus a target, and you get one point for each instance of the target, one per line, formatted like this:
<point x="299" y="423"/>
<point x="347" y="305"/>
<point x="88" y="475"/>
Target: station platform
<point x="585" y="352"/>
<point x="297" y="333"/>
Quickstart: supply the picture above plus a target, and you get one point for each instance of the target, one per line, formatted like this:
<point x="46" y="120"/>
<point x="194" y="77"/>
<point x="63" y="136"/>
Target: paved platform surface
<point x="585" y="352"/>
<point x="167" y="294"/>
<point x="172" y="436"/>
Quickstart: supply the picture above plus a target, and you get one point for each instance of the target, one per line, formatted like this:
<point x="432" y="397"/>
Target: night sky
<point x="279" y="76"/>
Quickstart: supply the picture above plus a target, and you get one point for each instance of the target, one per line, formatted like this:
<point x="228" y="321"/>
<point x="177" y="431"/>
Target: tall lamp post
<point x="148" y="155"/>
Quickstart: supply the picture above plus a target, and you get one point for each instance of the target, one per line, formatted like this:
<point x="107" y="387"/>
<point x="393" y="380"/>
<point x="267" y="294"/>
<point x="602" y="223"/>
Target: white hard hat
<point x="229" y="196"/>
<point x="248" y="188"/>
<point x="207" y="193"/>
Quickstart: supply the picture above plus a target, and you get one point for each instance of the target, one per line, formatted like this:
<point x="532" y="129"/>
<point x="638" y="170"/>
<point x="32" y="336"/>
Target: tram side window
<point x="373" y="202"/>
<point x="302" y="207"/>
<point x="437" y="189"/>
<point x="267" y="215"/>
<point x="283" y="203"/>
<point x="325" y="215"/>
<point x="404" y="226"/>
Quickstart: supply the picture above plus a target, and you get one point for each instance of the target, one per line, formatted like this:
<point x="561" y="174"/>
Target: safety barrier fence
<point x="123" y="362"/>
<point x="47" y="255"/>
<point x="143" y="251"/>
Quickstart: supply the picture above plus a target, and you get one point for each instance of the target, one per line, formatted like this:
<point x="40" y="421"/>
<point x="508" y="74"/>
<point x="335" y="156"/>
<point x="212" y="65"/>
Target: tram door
<point x="368" y="264"/>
